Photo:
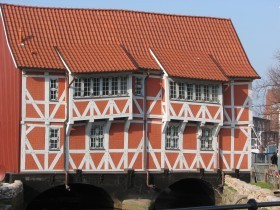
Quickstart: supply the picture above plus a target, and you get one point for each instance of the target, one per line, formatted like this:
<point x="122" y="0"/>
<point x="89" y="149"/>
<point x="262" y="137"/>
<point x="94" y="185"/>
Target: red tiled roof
<point x="97" y="58"/>
<point x="190" y="64"/>
<point x="44" y="28"/>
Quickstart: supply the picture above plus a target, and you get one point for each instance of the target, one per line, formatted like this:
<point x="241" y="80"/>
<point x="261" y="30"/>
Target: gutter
<point x="67" y="126"/>
<point x="145" y="129"/>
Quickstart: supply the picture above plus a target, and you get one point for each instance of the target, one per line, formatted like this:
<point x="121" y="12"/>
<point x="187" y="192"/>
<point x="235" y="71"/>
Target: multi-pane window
<point x="53" y="138"/>
<point x="53" y="89"/>
<point x="96" y="86"/>
<point x="215" y="89"/>
<point x="78" y="87"/>
<point x="181" y="88"/>
<point x="138" y="86"/>
<point x="207" y="139"/>
<point x="193" y="92"/>
<point x="190" y="92"/>
<point x="123" y="90"/>
<point x="172" y="89"/>
<point x="206" y="93"/>
<point x="100" y="86"/>
<point x="87" y="84"/>
<point x="97" y="136"/>
<point x="105" y="87"/>
<point x="172" y="136"/>
<point x="198" y="92"/>
<point x="114" y="90"/>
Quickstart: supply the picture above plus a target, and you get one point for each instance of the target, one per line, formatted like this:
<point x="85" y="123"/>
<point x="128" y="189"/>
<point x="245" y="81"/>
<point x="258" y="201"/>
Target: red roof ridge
<point x="118" y="10"/>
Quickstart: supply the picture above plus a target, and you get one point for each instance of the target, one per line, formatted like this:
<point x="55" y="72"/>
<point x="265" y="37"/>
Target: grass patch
<point x="264" y="185"/>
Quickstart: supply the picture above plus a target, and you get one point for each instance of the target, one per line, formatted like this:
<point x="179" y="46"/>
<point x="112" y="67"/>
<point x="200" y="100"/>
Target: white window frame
<point x="53" y="91"/>
<point x="88" y="92"/>
<point x="139" y="86"/>
<point x="181" y="90"/>
<point x="215" y="93"/>
<point x="198" y="92"/>
<point x="123" y="86"/>
<point x="105" y="86"/>
<point x="96" y="86"/>
<point x="190" y="92"/>
<point x="93" y="139"/>
<point x="206" y="93"/>
<point x="78" y="89"/>
<point x="172" y="137"/>
<point x="54" y="140"/>
<point x="172" y="89"/>
<point x="206" y="141"/>
<point x="115" y="86"/>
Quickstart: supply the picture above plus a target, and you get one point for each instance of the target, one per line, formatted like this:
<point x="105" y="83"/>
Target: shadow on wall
<point x="186" y="193"/>
<point x="81" y="196"/>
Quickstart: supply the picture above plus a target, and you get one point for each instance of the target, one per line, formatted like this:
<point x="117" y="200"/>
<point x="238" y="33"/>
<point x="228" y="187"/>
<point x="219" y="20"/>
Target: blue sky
<point x="257" y="21"/>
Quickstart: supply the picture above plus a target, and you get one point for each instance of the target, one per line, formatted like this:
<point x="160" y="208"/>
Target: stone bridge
<point x="89" y="190"/>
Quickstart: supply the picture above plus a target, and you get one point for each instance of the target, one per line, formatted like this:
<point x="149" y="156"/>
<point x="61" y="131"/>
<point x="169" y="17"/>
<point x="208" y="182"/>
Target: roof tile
<point x="71" y="29"/>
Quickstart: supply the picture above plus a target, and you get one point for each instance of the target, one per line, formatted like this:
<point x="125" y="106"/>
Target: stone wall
<point x="11" y="195"/>
<point x="237" y="191"/>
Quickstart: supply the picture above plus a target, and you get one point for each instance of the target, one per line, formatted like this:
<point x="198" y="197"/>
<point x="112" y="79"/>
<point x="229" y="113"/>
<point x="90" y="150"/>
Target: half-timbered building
<point x="117" y="90"/>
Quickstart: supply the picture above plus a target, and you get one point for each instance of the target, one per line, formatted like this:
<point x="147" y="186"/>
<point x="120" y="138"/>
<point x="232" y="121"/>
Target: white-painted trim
<point x="23" y="97"/>
<point x="232" y="100"/>
<point x="6" y="36"/>
<point x="154" y="56"/>
<point x="126" y="139"/>
<point x="63" y="61"/>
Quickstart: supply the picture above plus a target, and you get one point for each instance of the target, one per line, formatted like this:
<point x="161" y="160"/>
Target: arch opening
<point x="186" y="193"/>
<point x="80" y="196"/>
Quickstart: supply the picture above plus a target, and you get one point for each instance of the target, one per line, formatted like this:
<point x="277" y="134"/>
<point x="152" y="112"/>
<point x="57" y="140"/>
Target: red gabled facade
<point x="10" y="107"/>
<point x="112" y="90"/>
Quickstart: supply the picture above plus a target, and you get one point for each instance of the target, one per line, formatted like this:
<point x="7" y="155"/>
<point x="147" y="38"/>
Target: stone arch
<point x="184" y="193"/>
<point x="80" y="196"/>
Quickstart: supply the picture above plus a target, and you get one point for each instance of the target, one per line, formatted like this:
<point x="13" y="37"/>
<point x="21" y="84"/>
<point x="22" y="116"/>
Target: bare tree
<point x="267" y="93"/>
<point x="267" y="101"/>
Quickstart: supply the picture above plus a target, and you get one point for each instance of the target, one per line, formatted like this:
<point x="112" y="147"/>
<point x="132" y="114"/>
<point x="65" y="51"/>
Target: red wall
<point x="10" y="102"/>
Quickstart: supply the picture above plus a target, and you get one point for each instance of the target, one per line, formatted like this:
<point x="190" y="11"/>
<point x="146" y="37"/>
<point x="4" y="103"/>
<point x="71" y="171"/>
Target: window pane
<point x="215" y="89"/>
<point x="115" y="86"/>
<point x="78" y="87"/>
<point x="53" y="89"/>
<point x="105" y="87"/>
<point x="87" y="82"/>
<point x="97" y="136"/>
<point x="123" y="85"/>
<point x="198" y="92"/>
<point x="172" y="89"/>
<point x="207" y="139"/>
<point x="206" y="93"/>
<point x="53" y="139"/>
<point x="189" y="91"/>
<point x="96" y="86"/>
<point x="181" y="90"/>
<point x="138" y="86"/>
<point x="172" y="137"/>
